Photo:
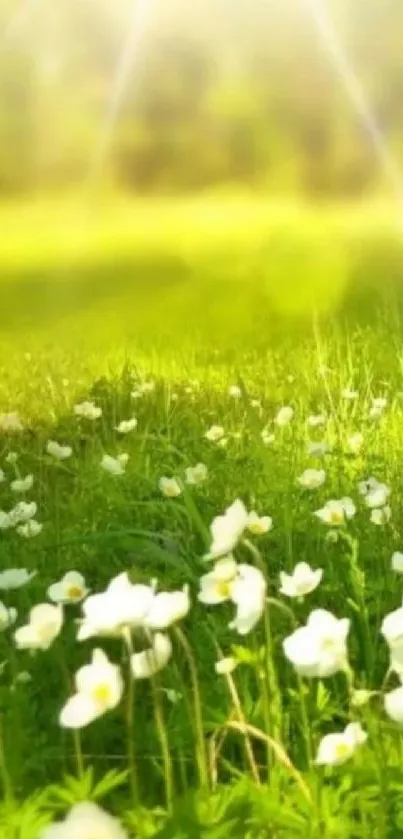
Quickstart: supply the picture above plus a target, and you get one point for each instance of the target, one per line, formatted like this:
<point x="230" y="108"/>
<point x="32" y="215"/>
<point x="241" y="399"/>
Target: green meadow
<point x="154" y="310"/>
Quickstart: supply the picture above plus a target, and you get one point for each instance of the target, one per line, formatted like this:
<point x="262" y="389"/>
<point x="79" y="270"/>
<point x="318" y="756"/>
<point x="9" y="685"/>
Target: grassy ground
<point x="295" y="305"/>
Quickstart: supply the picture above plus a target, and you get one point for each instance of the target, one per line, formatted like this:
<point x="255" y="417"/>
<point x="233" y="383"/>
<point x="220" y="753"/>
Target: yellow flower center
<point x="74" y="592"/>
<point x="101" y="693"/>
<point x="342" y="750"/>
<point x="223" y="588"/>
<point x="336" y="517"/>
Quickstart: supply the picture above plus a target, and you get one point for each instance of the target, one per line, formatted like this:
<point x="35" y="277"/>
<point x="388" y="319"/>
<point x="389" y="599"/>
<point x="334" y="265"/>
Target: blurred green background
<point x="176" y="173"/>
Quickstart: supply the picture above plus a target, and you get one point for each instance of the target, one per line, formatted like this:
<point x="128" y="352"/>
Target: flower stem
<point x="201" y="755"/>
<point x="164" y="743"/>
<point x="4" y="773"/>
<point x="129" y="716"/>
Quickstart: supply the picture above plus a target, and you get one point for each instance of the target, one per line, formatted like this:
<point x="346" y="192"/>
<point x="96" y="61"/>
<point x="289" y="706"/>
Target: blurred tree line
<point x="217" y="91"/>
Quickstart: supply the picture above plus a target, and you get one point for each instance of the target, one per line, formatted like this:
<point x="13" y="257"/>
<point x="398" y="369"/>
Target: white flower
<point x="381" y="516"/>
<point x="312" y="478"/>
<point x="196" y="474"/>
<point x="216" y="586"/>
<point x="136" y="394"/>
<point x="99" y="688"/>
<point x="30" y="529"/>
<point x="335" y="749"/>
<point x="394" y="704"/>
<point x="317" y="448"/>
<point x="88" y="410"/>
<point x="170" y="487"/>
<point x="377" y="407"/>
<point x="225" y="666"/>
<point x="70" y="589"/>
<point x="147" y="387"/>
<point x="23" y="512"/>
<point x="377" y="495"/>
<point x="360" y="698"/>
<point x="315" y="420"/>
<point x="146" y="664"/>
<point x="256" y="403"/>
<point x="248" y="592"/>
<point x="57" y="451"/>
<point x="122" y="605"/>
<point x="12" y="458"/>
<point x="11" y="423"/>
<point x="5" y="520"/>
<point x="167" y="608"/>
<point x="350" y="395"/>
<point x="8" y="616"/>
<point x="126" y="426"/>
<point x="336" y="513"/>
<point x="227" y="529"/>
<point x="22" y="484"/>
<point x="15" y="578"/>
<point x="302" y="581"/>
<point x="267" y="437"/>
<point x="367" y="485"/>
<point x="319" y="649"/>
<point x="355" y="442"/>
<point x="215" y="433"/>
<point x="258" y="524"/>
<point x="235" y="391"/>
<point x="45" y="623"/>
<point x="114" y="465"/>
<point x="284" y="416"/>
<point x="397" y="562"/>
<point x="85" y="821"/>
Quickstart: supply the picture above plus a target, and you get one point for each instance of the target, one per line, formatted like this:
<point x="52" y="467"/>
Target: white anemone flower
<point x="312" y="478"/>
<point x="267" y="437"/>
<point x="259" y="524"/>
<point x="8" y="616"/>
<point x="22" y="484"/>
<point x="126" y="426"/>
<point x="317" y="448"/>
<point x="12" y="458"/>
<point x="195" y="475"/>
<point x="336" y="749"/>
<point x="397" y="562"/>
<point x="284" y="416"/>
<point x="302" y="581"/>
<point x="23" y="512"/>
<point x="30" y="529"/>
<point x="226" y="666"/>
<point x="169" y="487"/>
<point x="146" y="664"/>
<point x="318" y="649"/>
<point x="99" y="688"/>
<point x="14" y="578"/>
<point x="123" y="605"/>
<point x="378" y="406"/>
<point x="85" y="820"/>
<point x="11" y="423"/>
<point x="316" y="420"/>
<point x="349" y="395"/>
<point x="216" y="586"/>
<point x="58" y="451"/>
<point x="114" y="465"/>
<point x="167" y="608"/>
<point x="235" y="391"/>
<point x="147" y="387"/>
<point x="394" y="704"/>
<point x="215" y="433"/>
<point x="44" y="625"/>
<point x="227" y="529"/>
<point x="336" y="512"/>
<point x="5" y="520"/>
<point x="381" y="515"/>
<point x="248" y="592"/>
<point x="377" y="495"/>
<point x="70" y="589"/>
<point x="367" y="485"/>
<point x="88" y="410"/>
<point x="392" y="631"/>
<point x="355" y="442"/>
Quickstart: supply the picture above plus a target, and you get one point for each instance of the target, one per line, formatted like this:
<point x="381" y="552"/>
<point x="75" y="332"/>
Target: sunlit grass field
<point x="157" y="312"/>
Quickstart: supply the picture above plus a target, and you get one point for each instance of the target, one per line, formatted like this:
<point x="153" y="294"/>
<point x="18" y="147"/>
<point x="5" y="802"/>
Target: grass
<point x="176" y="295"/>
